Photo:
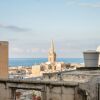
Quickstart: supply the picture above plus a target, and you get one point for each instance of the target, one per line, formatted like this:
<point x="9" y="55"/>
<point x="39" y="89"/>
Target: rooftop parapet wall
<point x="54" y="89"/>
<point x="38" y="82"/>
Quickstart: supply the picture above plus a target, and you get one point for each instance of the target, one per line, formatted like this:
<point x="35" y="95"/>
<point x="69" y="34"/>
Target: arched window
<point x="42" y="68"/>
<point x="49" y="66"/>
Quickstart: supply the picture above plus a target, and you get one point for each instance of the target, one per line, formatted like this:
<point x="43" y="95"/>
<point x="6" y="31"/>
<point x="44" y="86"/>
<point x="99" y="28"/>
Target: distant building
<point x="3" y="59"/>
<point x="52" y="53"/>
<point x="52" y="65"/>
<point x="36" y="70"/>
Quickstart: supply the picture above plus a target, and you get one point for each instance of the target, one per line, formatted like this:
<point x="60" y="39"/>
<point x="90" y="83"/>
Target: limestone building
<point x="52" y="65"/>
<point x="52" y="54"/>
<point x="3" y="59"/>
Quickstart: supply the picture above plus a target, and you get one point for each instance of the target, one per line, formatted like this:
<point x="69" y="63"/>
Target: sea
<point x="13" y="62"/>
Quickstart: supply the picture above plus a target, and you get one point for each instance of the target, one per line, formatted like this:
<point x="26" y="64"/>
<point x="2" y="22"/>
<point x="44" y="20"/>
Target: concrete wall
<point x="55" y="90"/>
<point x="49" y="92"/>
<point x="5" y="93"/>
<point x="60" y="93"/>
<point x="88" y="84"/>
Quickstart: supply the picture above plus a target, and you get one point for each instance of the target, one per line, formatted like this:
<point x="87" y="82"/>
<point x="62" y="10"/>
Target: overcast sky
<point x="30" y="25"/>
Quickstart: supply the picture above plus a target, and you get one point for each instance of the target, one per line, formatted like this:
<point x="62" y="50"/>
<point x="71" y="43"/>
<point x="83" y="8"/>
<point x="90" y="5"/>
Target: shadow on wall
<point x="54" y="98"/>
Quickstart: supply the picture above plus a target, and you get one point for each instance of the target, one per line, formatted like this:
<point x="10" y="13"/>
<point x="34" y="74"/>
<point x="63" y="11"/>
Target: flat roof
<point x="3" y="42"/>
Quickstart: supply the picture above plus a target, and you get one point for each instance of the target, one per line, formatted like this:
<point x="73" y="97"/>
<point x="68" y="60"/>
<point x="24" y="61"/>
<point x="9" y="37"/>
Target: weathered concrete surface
<point x="88" y="80"/>
<point x="73" y="85"/>
<point x="50" y="90"/>
<point x="60" y="93"/>
<point x="7" y="93"/>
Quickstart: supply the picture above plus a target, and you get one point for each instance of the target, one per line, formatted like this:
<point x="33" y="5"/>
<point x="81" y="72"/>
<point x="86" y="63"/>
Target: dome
<point x="98" y="49"/>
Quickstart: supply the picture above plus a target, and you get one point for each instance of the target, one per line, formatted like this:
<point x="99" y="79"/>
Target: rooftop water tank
<point x="98" y="50"/>
<point x="91" y="58"/>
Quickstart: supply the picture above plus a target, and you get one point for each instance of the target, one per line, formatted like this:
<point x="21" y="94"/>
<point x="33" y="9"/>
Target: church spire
<point x="52" y="53"/>
<point x="52" y="46"/>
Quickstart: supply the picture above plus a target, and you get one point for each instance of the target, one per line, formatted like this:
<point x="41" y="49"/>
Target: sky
<point x="30" y="25"/>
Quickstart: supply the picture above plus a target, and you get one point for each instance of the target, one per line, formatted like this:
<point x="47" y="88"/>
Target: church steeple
<point x="52" y="54"/>
<point x="52" y="46"/>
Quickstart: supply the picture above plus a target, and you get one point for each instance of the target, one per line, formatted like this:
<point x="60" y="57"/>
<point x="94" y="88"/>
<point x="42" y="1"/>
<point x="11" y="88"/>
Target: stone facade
<point x="36" y="71"/>
<point x="3" y="59"/>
